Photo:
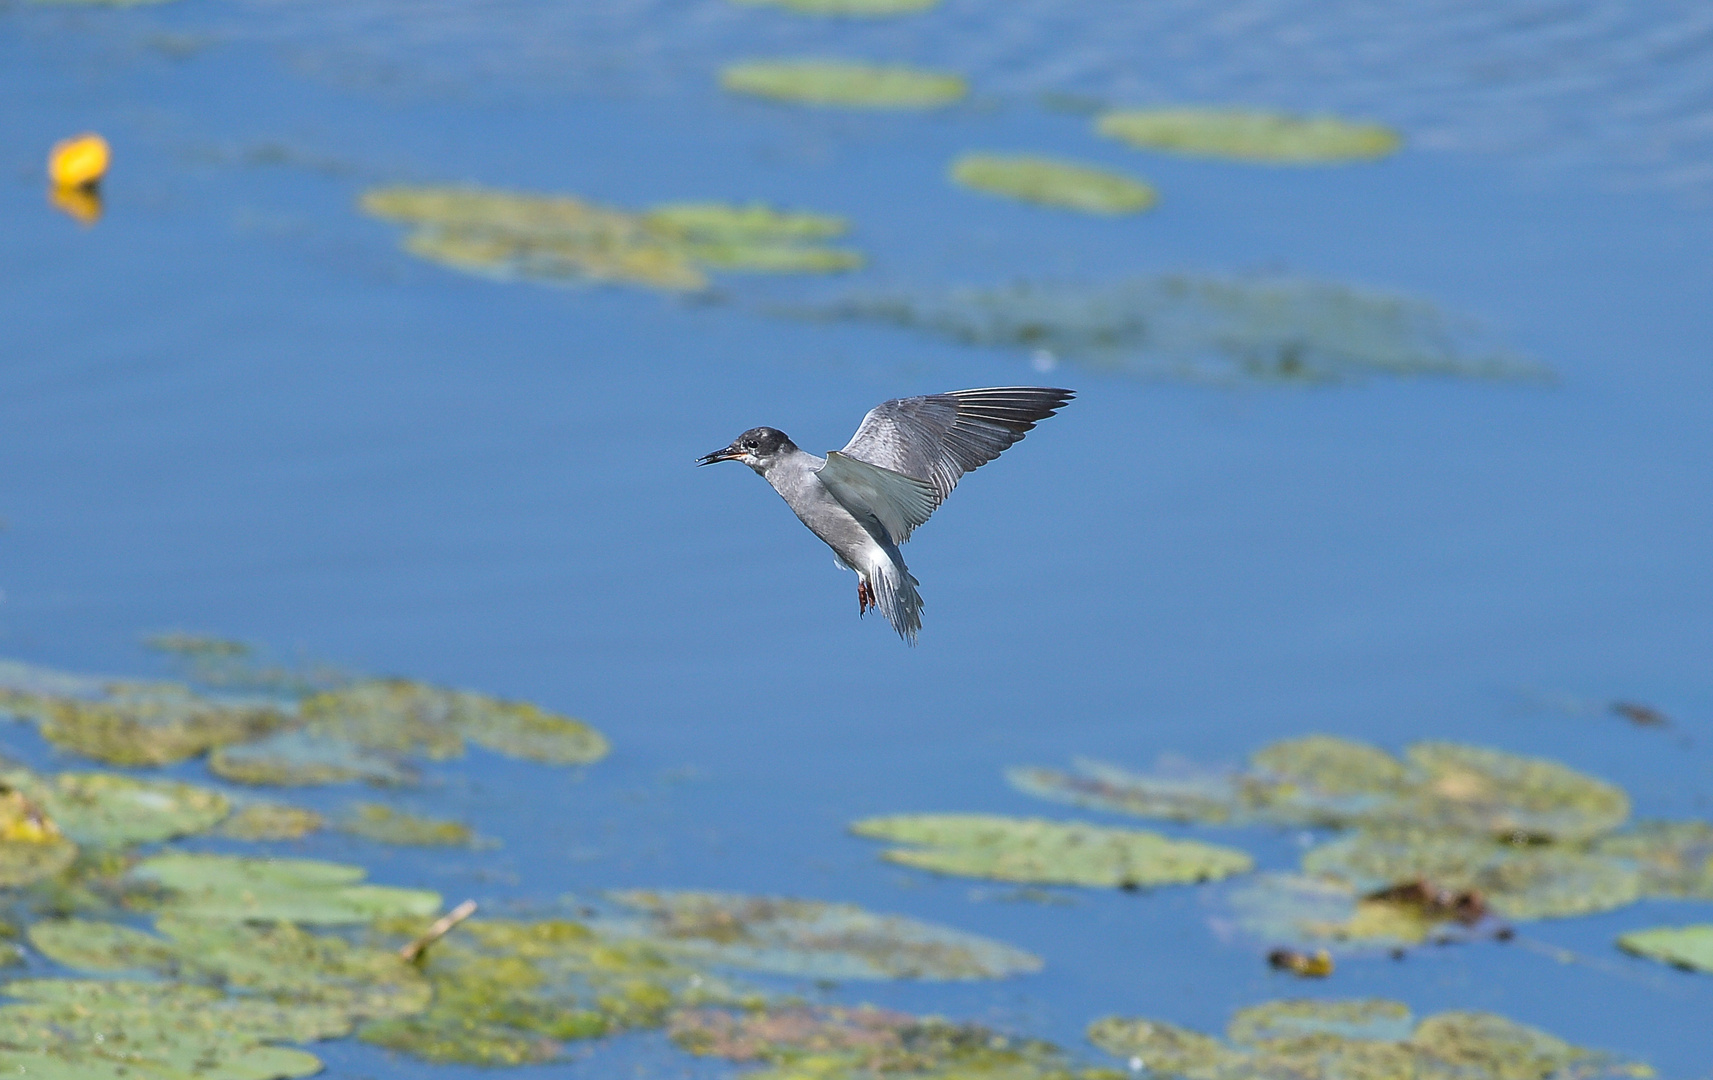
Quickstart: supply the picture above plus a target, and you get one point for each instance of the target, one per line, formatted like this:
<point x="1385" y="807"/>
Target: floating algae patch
<point x="857" y="1043"/>
<point x="305" y="759"/>
<point x="1179" y="795"/>
<point x="1675" y="858"/>
<point x="281" y="961"/>
<point x="366" y="731"/>
<point x="137" y="723"/>
<point x="1243" y="135"/>
<point x="1340" y="783"/>
<point x="1053" y="182"/>
<point x="1476" y="789"/>
<point x="288" y="890"/>
<point x="1518" y="881"/>
<point x="112" y="811"/>
<point x="377" y="821"/>
<point x="512" y="992"/>
<point x="863" y="8"/>
<point x="844" y="83"/>
<point x="814" y="939"/>
<point x="271" y="821"/>
<point x="562" y="238"/>
<point x="1681" y="946"/>
<point x="1205" y="329"/>
<point x="90" y="1030"/>
<point x="237" y="665"/>
<point x="1046" y="852"/>
<point x="1364" y="1039"/>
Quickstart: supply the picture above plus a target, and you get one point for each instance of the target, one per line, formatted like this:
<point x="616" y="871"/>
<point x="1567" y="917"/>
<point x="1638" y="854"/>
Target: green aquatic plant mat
<point x="136" y="723"/>
<point x="1052" y="182"/>
<point x="262" y="821"/>
<point x="1363" y="1039"/>
<point x="69" y="1029"/>
<point x="1265" y="329"/>
<point x="1245" y="135"/>
<point x="305" y="759"/>
<point x="109" y="810"/>
<point x="288" y="890"/>
<point x="1323" y="780"/>
<point x="511" y="234"/>
<point x="812" y="939"/>
<point x="831" y="1043"/>
<point x="281" y="961"/>
<point x="844" y="83"/>
<point x="864" y="8"/>
<point x="510" y="992"/>
<point x="1675" y="858"/>
<point x="1047" y="852"/>
<point x="377" y="821"/>
<point x="1681" y="946"/>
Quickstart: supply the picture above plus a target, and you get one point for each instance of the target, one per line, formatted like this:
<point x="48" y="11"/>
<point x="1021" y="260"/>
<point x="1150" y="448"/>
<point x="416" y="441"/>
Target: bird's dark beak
<point x="725" y="453"/>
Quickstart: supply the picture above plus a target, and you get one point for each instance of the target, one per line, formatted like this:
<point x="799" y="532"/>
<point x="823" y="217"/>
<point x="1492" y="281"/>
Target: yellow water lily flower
<point x="79" y="162"/>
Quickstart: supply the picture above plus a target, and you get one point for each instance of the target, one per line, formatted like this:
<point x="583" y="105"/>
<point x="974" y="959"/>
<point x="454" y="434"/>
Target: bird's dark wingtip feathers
<point x="1019" y="408"/>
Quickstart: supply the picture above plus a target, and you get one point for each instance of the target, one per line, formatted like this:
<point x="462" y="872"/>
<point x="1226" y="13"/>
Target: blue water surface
<point x="235" y="406"/>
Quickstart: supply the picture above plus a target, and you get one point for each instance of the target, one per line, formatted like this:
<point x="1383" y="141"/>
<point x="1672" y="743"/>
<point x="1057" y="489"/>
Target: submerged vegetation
<point x="1248" y="135"/>
<point x="561" y="238"/>
<point x="844" y="83"/>
<point x="1052" y="182"/>
<point x="1265" y="329"/>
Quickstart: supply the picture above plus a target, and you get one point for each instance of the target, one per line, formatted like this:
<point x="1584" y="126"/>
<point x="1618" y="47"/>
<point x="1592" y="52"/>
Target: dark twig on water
<point x="434" y="933"/>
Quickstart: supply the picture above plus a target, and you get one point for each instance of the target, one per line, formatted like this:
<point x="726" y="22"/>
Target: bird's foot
<point x="865" y="597"/>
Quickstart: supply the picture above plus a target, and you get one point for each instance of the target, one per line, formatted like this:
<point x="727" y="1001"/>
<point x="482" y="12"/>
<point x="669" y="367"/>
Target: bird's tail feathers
<point x="895" y="594"/>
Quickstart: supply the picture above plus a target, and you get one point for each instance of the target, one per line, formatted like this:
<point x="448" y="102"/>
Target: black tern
<point x="907" y="456"/>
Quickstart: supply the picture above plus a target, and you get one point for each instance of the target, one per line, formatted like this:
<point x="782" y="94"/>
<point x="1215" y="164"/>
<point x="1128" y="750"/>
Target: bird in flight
<point x="907" y="456"/>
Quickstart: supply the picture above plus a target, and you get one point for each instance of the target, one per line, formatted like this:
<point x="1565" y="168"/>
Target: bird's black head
<point x="757" y="448"/>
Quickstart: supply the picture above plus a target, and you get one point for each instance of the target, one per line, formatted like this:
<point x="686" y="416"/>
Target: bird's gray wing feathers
<point x="871" y="493"/>
<point x="940" y="437"/>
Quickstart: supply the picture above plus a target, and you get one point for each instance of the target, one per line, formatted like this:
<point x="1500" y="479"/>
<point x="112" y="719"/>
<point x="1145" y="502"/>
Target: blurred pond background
<point x="236" y="405"/>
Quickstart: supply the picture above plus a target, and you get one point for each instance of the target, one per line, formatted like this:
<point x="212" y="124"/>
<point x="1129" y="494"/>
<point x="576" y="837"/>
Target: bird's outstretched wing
<point x="939" y="437"/>
<point x="898" y="503"/>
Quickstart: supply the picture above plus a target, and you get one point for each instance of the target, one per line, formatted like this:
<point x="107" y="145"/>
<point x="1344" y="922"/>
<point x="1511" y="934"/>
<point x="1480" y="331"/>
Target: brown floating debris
<point x="1434" y="902"/>
<point x="442" y="926"/>
<point x="1315" y="965"/>
<point x="1640" y="715"/>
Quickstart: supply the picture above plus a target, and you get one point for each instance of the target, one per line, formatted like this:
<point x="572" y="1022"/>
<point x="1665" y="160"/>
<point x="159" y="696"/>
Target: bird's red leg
<point x="865" y="597"/>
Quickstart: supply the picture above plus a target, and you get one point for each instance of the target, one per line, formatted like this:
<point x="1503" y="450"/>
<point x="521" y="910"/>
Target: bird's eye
<point x="749" y="444"/>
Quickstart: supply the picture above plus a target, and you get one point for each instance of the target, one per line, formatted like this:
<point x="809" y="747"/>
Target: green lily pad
<point x="137" y="724"/>
<point x="866" y="8"/>
<point x="521" y="730"/>
<point x="844" y="83"/>
<point x="1209" y="798"/>
<point x="27" y="862"/>
<point x="81" y="1030"/>
<point x="288" y="890"/>
<point x="271" y="821"/>
<point x="1520" y="882"/>
<point x="816" y="940"/>
<point x="510" y="992"/>
<point x="1046" y="852"/>
<point x="100" y="946"/>
<point x="1366" y="1039"/>
<point x="1245" y="135"/>
<point x="1052" y="182"/>
<point x="108" y="810"/>
<point x="1680" y="946"/>
<point x="377" y="821"/>
<point x="1675" y="857"/>
<point x="561" y="238"/>
<point x="1276" y="330"/>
